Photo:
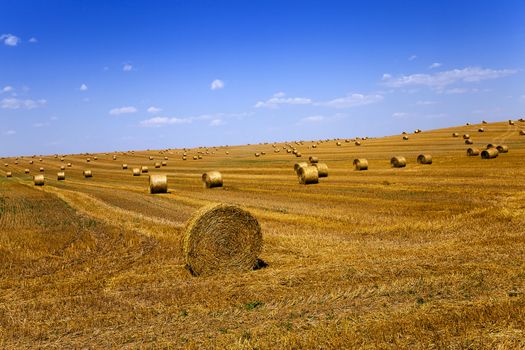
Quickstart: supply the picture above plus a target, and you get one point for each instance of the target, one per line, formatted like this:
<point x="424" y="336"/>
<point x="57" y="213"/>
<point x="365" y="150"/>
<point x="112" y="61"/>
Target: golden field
<point x="422" y="257"/>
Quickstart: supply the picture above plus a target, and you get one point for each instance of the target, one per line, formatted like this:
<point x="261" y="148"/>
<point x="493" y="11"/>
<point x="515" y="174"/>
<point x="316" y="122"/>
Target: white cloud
<point x="15" y="103"/>
<point x="10" y="39"/>
<point x="280" y="99"/>
<point x="441" y="79"/>
<point x="6" y="88"/>
<point x="33" y="40"/>
<point x="127" y="67"/>
<point x="154" y="110"/>
<point x="399" y="114"/>
<point x="313" y="119"/>
<point x="456" y="91"/>
<point x="216" y="122"/>
<point x="39" y="125"/>
<point x="10" y="132"/>
<point x="217" y="84"/>
<point x="425" y="103"/>
<point x="159" y="121"/>
<point x="413" y="57"/>
<point x="123" y="110"/>
<point x="435" y="65"/>
<point x="352" y="100"/>
<point x="83" y="87"/>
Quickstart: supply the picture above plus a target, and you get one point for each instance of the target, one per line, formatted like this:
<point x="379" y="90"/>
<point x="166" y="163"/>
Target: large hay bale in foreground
<point x="313" y="159"/>
<point x="424" y="159"/>
<point x="221" y="238"/>
<point x="87" y="173"/>
<point x="489" y="153"/>
<point x="473" y="152"/>
<point x="212" y="179"/>
<point x="308" y="175"/>
<point x="360" y="164"/>
<point x="398" y="162"/>
<point x="39" y="180"/>
<point x="502" y="148"/>
<point x="158" y="184"/>
<point x="322" y="169"/>
<point x="61" y="176"/>
<point x="298" y="165"/>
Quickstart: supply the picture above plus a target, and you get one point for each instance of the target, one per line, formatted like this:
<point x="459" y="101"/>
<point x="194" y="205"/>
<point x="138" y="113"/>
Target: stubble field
<point x="427" y="256"/>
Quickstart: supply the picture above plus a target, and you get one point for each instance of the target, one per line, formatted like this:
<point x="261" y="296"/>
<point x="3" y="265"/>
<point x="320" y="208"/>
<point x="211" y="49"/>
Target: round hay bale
<point x="26" y="171"/>
<point x="165" y="158"/>
<point x="124" y="166"/>
<point x="87" y="173"/>
<point x="466" y="136"/>
<point x="39" y="180"/>
<point x="6" y="165"/>
<point x="212" y="179"/>
<point x="338" y="143"/>
<point x="483" y="122"/>
<point x="199" y="156"/>
<point x="263" y="153"/>
<point x="322" y="169"/>
<point x="473" y="152"/>
<point x="298" y="165"/>
<point x="95" y="158"/>
<point x="144" y="169"/>
<point x="298" y="155"/>
<point x="404" y="133"/>
<point x="62" y="159"/>
<point x="150" y="158"/>
<point x="157" y="165"/>
<point x="8" y="174"/>
<point x="314" y="146"/>
<point x="357" y="143"/>
<point x="398" y="162"/>
<point x="195" y="157"/>
<point x="424" y="159"/>
<point x="184" y="158"/>
<point x="61" y="176"/>
<point x="360" y="164"/>
<point x="31" y="162"/>
<point x="88" y="160"/>
<point x="164" y="163"/>
<point x="277" y="150"/>
<point x="114" y="157"/>
<point x="502" y="148"/>
<point x="489" y="153"/>
<point x="405" y="137"/>
<point x="136" y="171"/>
<point x="491" y="145"/>
<point x="62" y="167"/>
<point x="41" y="169"/>
<point x="158" y="184"/>
<point x="511" y="122"/>
<point x="69" y="165"/>
<point x="221" y="238"/>
<point x="481" y="130"/>
<point x="313" y="159"/>
<point x="308" y="175"/>
<point x="257" y="154"/>
<point x="522" y="132"/>
<point x="469" y="142"/>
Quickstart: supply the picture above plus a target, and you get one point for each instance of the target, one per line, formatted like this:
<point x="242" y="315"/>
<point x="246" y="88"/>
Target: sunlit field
<point x="426" y="256"/>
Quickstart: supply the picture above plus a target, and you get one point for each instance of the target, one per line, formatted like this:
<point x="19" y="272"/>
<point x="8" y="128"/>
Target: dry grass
<point x="416" y="257"/>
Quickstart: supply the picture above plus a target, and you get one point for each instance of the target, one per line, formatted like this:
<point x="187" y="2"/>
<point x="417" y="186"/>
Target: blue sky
<point x="90" y="76"/>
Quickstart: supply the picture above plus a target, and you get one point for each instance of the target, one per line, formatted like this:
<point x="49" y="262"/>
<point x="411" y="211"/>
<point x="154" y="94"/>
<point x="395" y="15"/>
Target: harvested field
<point x="415" y="257"/>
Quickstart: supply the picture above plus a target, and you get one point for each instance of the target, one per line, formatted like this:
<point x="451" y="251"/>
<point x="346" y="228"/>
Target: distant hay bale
<point x="295" y="151"/>
<point x="158" y="184"/>
<point x="114" y="157"/>
<point x="469" y="142"/>
<point x="338" y="143"/>
<point x="184" y="158"/>
<point x="150" y="158"/>
<point x="69" y="165"/>
<point x="87" y="173"/>
<point x="314" y="146"/>
<point x="481" y="130"/>
<point x="62" y="167"/>
<point x="61" y="176"/>
<point x="522" y="132"/>
<point x="221" y="238"/>
<point x="405" y="137"/>
<point x="124" y="166"/>
<point x="165" y="158"/>
<point x="466" y="136"/>
<point x="511" y="122"/>
<point x="398" y="162"/>
<point x="491" y="145"/>
<point x="88" y="160"/>
<point x="6" y="165"/>
<point x="489" y="153"/>
<point x="62" y="159"/>
<point x="277" y="150"/>
<point x="263" y="153"/>
<point x="144" y="169"/>
<point x="467" y="124"/>
<point x="157" y="165"/>
<point x="417" y="131"/>
<point x="473" y="152"/>
<point x="298" y="155"/>
<point x="360" y="164"/>
<point x="31" y="162"/>
<point x="39" y="180"/>
<point x="136" y="171"/>
<point x="164" y="163"/>
<point x="95" y="158"/>
<point x="357" y="143"/>
<point x="483" y="122"/>
<point x="308" y="175"/>
<point x="199" y="156"/>
<point x="227" y="152"/>
<point x="212" y="179"/>
<point x="322" y="169"/>
<point x="298" y="165"/>
<point x="288" y="151"/>
<point x="41" y="169"/>
<point x="313" y="159"/>
<point x="257" y="154"/>
<point x="26" y="171"/>
<point x="424" y="159"/>
<point x="502" y="148"/>
<point x="404" y="133"/>
<point x="8" y="174"/>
